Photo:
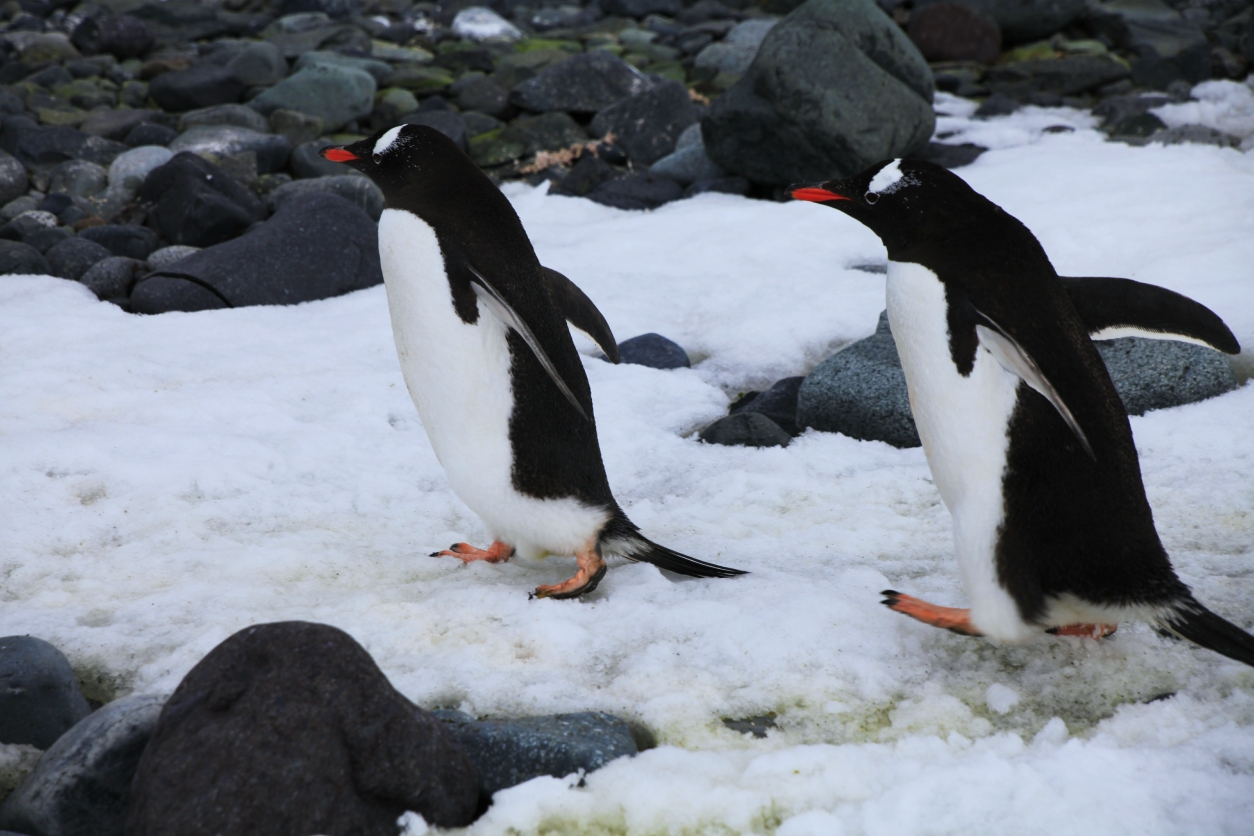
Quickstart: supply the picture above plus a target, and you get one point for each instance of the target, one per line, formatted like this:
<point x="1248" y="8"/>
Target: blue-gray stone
<point x="1157" y="374"/>
<point x="225" y="114"/>
<point x="321" y="58"/>
<point x="654" y="351"/>
<point x="688" y="165"/>
<point x="18" y="258"/>
<point x="359" y="191"/>
<point x="861" y="392"/>
<point x="81" y="785"/>
<point x="272" y="150"/>
<point x="1027" y="20"/>
<point x="779" y="403"/>
<point x="111" y="278"/>
<point x="745" y="429"/>
<point x="336" y="95"/>
<point x="509" y="752"/>
<point x="259" y="64"/>
<point x="586" y="83"/>
<point x="74" y="256"/>
<point x="13" y="179"/>
<point x="648" y="124"/>
<point x="736" y="52"/>
<point x="40" y="698"/>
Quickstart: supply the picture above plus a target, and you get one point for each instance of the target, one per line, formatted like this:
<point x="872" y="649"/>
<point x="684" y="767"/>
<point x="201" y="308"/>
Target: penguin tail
<point x="1192" y="621"/>
<point x="645" y="550"/>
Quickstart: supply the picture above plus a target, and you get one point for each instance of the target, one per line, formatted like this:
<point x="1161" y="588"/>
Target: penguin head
<point x="904" y="202"/>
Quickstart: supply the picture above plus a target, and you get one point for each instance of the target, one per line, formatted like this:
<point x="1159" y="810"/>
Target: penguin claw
<point x="950" y="618"/>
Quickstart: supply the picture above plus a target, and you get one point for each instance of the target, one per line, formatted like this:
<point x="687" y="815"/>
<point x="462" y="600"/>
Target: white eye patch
<point x="387" y="141"/>
<point x="888" y="179"/>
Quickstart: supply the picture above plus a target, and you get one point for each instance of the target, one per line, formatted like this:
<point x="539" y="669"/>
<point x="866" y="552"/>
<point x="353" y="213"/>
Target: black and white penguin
<point x="481" y="331"/>
<point x="1027" y="440"/>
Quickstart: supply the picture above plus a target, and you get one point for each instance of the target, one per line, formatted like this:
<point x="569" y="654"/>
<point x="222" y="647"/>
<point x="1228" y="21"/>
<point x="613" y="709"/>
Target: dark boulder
<point x="484" y="95"/>
<point x="316" y="246"/>
<point x="291" y="728"/>
<point x="586" y="83"/>
<point x="1067" y="76"/>
<point x="1024" y="20"/>
<point x="149" y="133"/>
<point x="359" y="191"/>
<point x="13" y="179"/>
<point x="745" y="429"/>
<point x="445" y="121"/>
<point x="637" y="191"/>
<point x="129" y="240"/>
<point x="122" y="36"/>
<point x="835" y="87"/>
<point x="194" y="202"/>
<point x="648" y="124"/>
<point x="640" y="9"/>
<point x="584" y="176"/>
<point x="949" y="156"/>
<point x="35" y="144"/>
<point x="200" y="85"/>
<point x="17" y="258"/>
<point x="779" y="403"/>
<point x="719" y="185"/>
<point x="955" y="31"/>
<point x="81" y="786"/>
<point x="1168" y="46"/>
<point x="41" y="699"/>
<point x="73" y="257"/>
<point x="111" y="278"/>
<point x="654" y="351"/>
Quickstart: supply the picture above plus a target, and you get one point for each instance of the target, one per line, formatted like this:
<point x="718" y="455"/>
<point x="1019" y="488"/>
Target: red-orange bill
<point x="816" y="194"/>
<point x="338" y="155"/>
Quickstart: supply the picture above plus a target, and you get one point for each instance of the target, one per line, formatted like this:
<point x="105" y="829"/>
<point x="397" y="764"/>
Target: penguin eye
<point x="378" y="157"/>
<point x="871" y="197"/>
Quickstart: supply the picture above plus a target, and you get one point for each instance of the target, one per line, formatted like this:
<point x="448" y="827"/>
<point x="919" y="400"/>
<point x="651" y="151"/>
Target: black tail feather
<point x="1201" y="626"/>
<point x="645" y="550"/>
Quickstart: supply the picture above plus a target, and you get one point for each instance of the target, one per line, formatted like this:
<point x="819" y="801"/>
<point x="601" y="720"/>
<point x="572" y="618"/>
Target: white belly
<point x="962" y="422"/>
<point x="458" y="375"/>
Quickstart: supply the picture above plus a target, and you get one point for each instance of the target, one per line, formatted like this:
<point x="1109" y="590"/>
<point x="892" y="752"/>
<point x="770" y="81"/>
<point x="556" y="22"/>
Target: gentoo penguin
<point x="480" y="328"/>
<point x="1028" y="443"/>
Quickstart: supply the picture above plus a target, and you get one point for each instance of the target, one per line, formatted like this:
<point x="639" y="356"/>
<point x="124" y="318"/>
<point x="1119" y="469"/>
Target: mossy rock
<point x="420" y="79"/>
<point x="562" y="45"/>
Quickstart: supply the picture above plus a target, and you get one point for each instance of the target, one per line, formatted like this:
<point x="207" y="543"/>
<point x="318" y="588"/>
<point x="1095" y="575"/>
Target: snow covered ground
<point x="169" y="480"/>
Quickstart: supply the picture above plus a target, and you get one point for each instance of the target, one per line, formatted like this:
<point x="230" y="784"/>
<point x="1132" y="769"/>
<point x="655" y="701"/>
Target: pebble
<point x="654" y="351"/>
<point x="336" y="95"/>
<point x="19" y="258"/>
<point x="745" y="429"/>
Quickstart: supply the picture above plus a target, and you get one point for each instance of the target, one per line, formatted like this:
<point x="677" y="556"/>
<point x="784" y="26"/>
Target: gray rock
<point x="336" y="95"/>
<point x="835" y="86"/>
<point x="950" y="156"/>
<point x="224" y="114"/>
<point x="654" y="351"/>
<point x="1068" y="76"/>
<point x="298" y="127"/>
<point x="955" y="31"/>
<point x="18" y="258"/>
<point x="1169" y="46"/>
<point x="195" y="202"/>
<point x="81" y="786"/>
<point x="745" y="429"/>
<point x="647" y="125"/>
<point x="41" y="699"/>
<point x="1026" y="20"/>
<point x="584" y="176"/>
<point x="122" y="36"/>
<point x="259" y="64"/>
<point x="164" y="257"/>
<point x="508" y="752"/>
<point x="13" y="179"/>
<point x="19" y="205"/>
<point x="200" y="85"/>
<point x="479" y="23"/>
<point x="359" y="191"/>
<point x="319" y="58"/>
<point x="75" y="256"/>
<point x="779" y="403"/>
<point x="719" y="185"/>
<point x="226" y="140"/>
<point x="129" y="240"/>
<point x="637" y="191"/>
<point x="737" y="50"/>
<point x="331" y="8"/>
<point x="45" y="239"/>
<point x="116" y="124"/>
<point x="112" y="277"/>
<point x="35" y="144"/>
<point x="861" y="392"/>
<point x="1157" y="374"/>
<point x="149" y="133"/>
<point x="688" y="165"/>
<point x="78" y="178"/>
<point x="1194" y="134"/>
<point x="641" y="8"/>
<point x="445" y="121"/>
<point x="101" y="151"/>
<point x="484" y="95"/>
<point x="130" y="169"/>
<point x="586" y="83"/>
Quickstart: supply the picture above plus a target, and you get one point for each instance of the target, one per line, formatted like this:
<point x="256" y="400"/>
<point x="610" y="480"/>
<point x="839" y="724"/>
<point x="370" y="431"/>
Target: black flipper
<point x="1201" y="626"/>
<point x="1125" y="308"/>
<point x="581" y="313"/>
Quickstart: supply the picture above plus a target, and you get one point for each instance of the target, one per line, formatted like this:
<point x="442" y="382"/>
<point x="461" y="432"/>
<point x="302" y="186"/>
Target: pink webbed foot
<point x="591" y="570"/>
<point x="1084" y="631"/>
<point x="949" y="618"/>
<point x="498" y="552"/>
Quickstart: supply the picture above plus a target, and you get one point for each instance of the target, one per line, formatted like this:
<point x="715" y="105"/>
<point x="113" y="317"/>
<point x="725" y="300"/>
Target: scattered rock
<point x="78" y="178"/>
<point x="45" y="239"/>
<point x="13" y="179"/>
<point x="319" y="58"/>
<point x="149" y="133"/>
<point x="955" y="31"/>
<point x="336" y="95"/>
<point x="32" y="144"/>
<point x="584" y="176"/>
<point x="1025" y="20"/>
<point x="298" y="127"/>
<point x="648" y="124"/>
<point x="1141" y="125"/>
<point x="585" y="83"/>
<point x="17" y="258"/>
<point x="130" y="170"/>
<point x="259" y="65"/>
<point x="122" y="36"/>
<point x="735" y="52"/>
<point x="1158" y="374"/>
<point x="111" y="278"/>
<point x="508" y="752"/>
<point x="73" y="257"/>
<point x="81" y="786"/>
<point x="1195" y="134"/>
<point x="997" y="105"/>
<point x="164" y="257"/>
<point x="654" y="351"/>
<point x="200" y="85"/>
<point x="801" y="112"/>
<point x="116" y="124"/>
<point x="637" y="191"/>
<point x="757" y="726"/>
<point x="484" y="95"/>
<point x="272" y="150"/>
<point x="479" y="23"/>
<point x="194" y="202"/>
<point x="359" y="191"/>
<point x="445" y="121"/>
<point x="129" y="240"/>
<point x="225" y="114"/>
<point x="297" y="727"/>
<point x="779" y="403"/>
<point x="1066" y="76"/>
<point x="526" y="136"/>
<point x="688" y="165"/>
<point x="745" y="429"/>
<point x="861" y="392"/>
<point x="641" y="8"/>
<point x="41" y="698"/>
<point x="1170" y="47"/>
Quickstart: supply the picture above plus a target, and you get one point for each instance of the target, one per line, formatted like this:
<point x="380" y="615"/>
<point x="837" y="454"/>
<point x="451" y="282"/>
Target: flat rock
<point x="805" y="111"/>
<point x="41" y="699"/>
<point x="272" y="150"/>
<point x="1158" y="374"/>
<point x="1066" y="76"/>
<point x="316" y="246"/>
<point x="745" y="429"/>
<point x="586" y="83"/>
<point x="654" y="351"/>
<point x="81" y="786"/>
<point x="637" y="191"/>
<point x="861" y="392"/>
<point x="129" y="240"/>
<point x="336" y="95"/>
<point x="359" y="191"/>
<point x="224" y="114"/>
<point x="648" y="124"/>
<point x="200" y="85"/>
<point x="194" y="202"/>
<point x="17" y="258"/>
<point x="296" y="725"/>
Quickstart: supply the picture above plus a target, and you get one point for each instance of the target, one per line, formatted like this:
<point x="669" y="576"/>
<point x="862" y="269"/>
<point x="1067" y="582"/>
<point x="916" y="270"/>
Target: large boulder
<point x="271" y="150"/>
<point x="647" y="125"/>
<point x="335" y="94"/>
<point x="1168" y="46"/>
<point x="194" y="202"/>
<point x="585" y="83"/>
<point x="1025" y="20"/>
<point x="835" y="87"/>
<point x="40" y="699"/>
<point x="200" y="85"/>
<point x="316" y="246"/>
<point x="291" y="728"/>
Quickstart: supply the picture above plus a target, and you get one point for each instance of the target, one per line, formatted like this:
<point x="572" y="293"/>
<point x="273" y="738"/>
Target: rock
<point x="950" y="156"/>
<point x="719" y="185"/>
<point x="297" y="127"/>
<point x="224" y="114"/>
<point x="484" y="95"/>
<point x="129" y="240"/>
<point x="803" y="111"/>
<point x="955" y="31"/>
<point x="508" y="752"/>
<point x="81" y="786"/>
<point x="111" y="278"/>
<point x="527" y="136"/>
<point x="78" y="178"/>
<point x="359" y="191"/>
<point x="1141" y="125"/>
<point x="316" y="246"/>
<point x="480" y="123"/>
<point x="1025" y="20"/>
<point x="297" y="34"/>
<point x="420" y="80"/>
<point x="200" y="85"/>
<point x="226" y="140"/>
<point x="445" y="121"/>
<point x="130" y="170"/>
<point x="745" y="429"/>
<point x="117" y="124"/>
<point x="641" y="8"/>
<point x="637" y="191"/>
<point x="123" y="36"/>
<point x="331" y="8"/>
<point x="479" y="23"/>
<point x="648" y="124"/>
<point x="19" y="258"/>
<point x="1116" y="109"/>
<point x="300" y="730"/>
<point x="336" y="95"/>
<point x="1169" y="46"/>
<point x="1158" y="374"/>
<point x="164" y="257"/>
<point x="101" y="151"/>
<point x="779" y="403"/>
<point x="586" y="83"/>
<point x="182" y="21"/>
<point x="737" y="50"/>
<point x="1066" y="76"/>
<point x="1195" y="134"/>
<point x="13" y="179"/>
<point x="584" y="176"/>
<point x="861" y="392"/>
<point x="654" y="351"/>
<point x="41" y="698"/>
<point x="194" y="202"/>
<point x="32" y="144"/>
<point x="998" y="105"/>
<point x="19" y="205"/>
<point x="689" y="162"/>
<point x="319" y="58"/>
<point x="73" y="257"/>
<point x="259" y="65"/>
<point x="55" y="204"/>
<point x="36" y="48"/>
<point x="45" y="239"/>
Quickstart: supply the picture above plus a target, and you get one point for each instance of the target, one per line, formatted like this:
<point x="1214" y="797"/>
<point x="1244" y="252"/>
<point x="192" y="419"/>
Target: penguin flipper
<point x="1014" y="359"/>
<point x="1113" y="308"/>
<point x="579" y="311"/>
<point x="497" y="305"/>
<point x="1199" y="625"/>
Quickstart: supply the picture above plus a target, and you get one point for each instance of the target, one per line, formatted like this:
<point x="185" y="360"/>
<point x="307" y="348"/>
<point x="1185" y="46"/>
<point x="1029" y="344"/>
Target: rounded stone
<point x="336" y="95"/>
<point x="359" y="191"/>
<point x="654" y="351"/>
<point x="164" y="257"/>
<point x="75" y="256"/>
<point x="17" y="258"/>
<point x="111" y="278"/>
<point x="955" y="31"/>
<point x="41" y="699"/>
<point x="131" y="168"/>
<point x="745" y="429"/>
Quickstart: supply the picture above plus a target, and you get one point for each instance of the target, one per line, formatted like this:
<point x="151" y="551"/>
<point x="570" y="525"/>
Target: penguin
<point x="481" y="333"/>
<point x="1027" y="440"/>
